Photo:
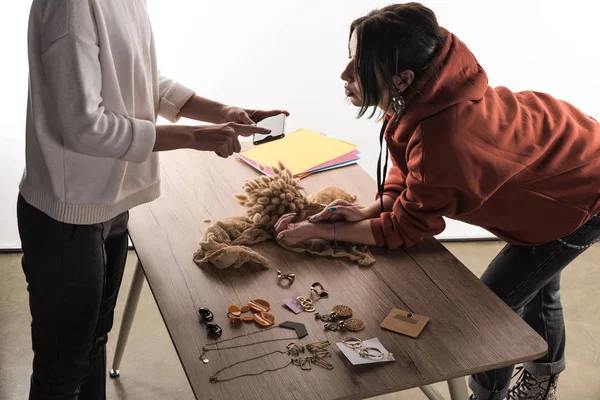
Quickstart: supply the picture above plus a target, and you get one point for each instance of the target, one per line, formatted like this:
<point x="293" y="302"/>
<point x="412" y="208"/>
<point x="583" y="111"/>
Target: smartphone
<point x="277" y="126"/>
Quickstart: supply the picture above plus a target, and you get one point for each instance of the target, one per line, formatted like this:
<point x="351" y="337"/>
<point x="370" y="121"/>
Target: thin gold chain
<point x="206" y="349"/>
<point x="215" y="377"/>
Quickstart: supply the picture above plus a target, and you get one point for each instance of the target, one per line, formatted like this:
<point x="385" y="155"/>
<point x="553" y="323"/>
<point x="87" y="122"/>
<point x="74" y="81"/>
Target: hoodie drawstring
<point x="381" y="175"/>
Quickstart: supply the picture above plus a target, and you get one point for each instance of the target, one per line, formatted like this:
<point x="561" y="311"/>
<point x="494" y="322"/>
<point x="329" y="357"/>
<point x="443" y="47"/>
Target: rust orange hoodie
<point x="525" y="166"/>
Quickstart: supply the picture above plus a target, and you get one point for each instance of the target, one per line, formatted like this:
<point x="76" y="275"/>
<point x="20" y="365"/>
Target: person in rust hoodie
<point x="525" y="166"/>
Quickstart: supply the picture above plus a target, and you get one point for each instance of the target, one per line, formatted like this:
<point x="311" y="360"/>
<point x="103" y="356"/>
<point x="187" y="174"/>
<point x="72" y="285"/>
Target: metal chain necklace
<point x="215" y="377"/>
<point x="319" y="351"/>
<point x="578" y="247"/>
<point x="206" y="348"/>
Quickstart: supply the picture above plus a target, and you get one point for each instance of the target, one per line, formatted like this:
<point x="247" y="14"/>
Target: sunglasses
<point x="206" y="318"/>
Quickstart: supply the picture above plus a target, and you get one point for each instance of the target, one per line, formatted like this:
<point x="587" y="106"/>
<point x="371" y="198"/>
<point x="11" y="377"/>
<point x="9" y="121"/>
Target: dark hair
<point x="391" y="40"/>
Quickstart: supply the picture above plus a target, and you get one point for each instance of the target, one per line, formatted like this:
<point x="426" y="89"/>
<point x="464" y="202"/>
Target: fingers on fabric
<point x="283" y="223"/>
<point x="288" y="237"/>
<point x="329" y="211"/>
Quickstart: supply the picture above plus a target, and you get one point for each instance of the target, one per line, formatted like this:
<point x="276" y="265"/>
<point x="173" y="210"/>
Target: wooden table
<point x="470" y="329"/>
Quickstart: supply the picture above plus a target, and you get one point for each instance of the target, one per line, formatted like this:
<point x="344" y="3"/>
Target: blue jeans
<point x="527" y="279"/>
<point x="73" y="277"/>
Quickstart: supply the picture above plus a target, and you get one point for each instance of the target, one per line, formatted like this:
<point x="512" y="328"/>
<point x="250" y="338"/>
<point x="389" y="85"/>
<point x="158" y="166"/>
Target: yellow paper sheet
<point x="299" y="151"/>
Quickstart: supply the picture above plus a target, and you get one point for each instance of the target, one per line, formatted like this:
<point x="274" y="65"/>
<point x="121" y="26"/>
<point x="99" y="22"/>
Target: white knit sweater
<point x="94" y="96"/>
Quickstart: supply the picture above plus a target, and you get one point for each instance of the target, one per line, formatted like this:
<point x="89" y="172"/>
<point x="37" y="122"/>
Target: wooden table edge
<point x="425" y="382"/>
<point x="463" y="374"/>
<point x="187" y="376"/>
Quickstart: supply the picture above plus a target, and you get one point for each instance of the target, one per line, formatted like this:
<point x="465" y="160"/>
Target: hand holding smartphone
<point x="277" y="126"/>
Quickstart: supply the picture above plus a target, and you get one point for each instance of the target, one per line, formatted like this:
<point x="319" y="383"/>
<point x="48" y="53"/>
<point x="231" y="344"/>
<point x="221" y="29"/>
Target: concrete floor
<point x="151" y="370"/>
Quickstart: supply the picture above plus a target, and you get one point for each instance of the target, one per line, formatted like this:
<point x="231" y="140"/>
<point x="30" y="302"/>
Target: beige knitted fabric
<point x="225" y="244"/>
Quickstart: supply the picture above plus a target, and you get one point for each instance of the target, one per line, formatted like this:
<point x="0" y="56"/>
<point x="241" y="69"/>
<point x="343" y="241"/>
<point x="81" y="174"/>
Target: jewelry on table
<point x="371" y="352"/>
<point x="352" y="342"/>
<point x="206" y="318"/>
<point x="261" y="317"/>
<point x="365" y="352"/>
<point x="235" y="313"/>
<point x="286" y="276"/>
<point x="206" y="348"/>
<point x="337" y="312"/>
<point x="259" y="305"/>
<point x="299" y="328"/>
<point x="215" y="378"/>
<point x="351" y="324"/>
<point x="319" y="290"/>
<point x="319" y="350"/>
<point x="264" y="318"/>
<point x="205" y="315"/>
<point x="306" y="303"/>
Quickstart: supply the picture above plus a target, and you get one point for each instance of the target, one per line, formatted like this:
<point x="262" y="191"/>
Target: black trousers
<point x="73" y="277"/>
<point x="527" y="279"/>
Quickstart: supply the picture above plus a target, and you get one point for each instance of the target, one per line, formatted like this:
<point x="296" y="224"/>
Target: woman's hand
<point x="222" y="138"/>
<point x="293" y="233"/>
<point x="250" y="117"/>
<point x="340" y="210"/>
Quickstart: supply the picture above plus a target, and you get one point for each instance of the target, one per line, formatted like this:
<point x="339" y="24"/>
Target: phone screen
<point x="277" y="126"/>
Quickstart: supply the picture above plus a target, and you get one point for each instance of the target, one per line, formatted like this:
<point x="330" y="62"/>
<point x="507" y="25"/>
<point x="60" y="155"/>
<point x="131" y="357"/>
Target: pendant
<point x="351" y="324"/>
<point x="338" y="312"/>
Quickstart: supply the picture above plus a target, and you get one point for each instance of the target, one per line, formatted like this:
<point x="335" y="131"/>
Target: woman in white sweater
<point x="91" y="155"/>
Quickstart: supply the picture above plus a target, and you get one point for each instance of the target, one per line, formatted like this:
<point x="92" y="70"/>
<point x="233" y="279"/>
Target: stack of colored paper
<point x="303" y="152"/>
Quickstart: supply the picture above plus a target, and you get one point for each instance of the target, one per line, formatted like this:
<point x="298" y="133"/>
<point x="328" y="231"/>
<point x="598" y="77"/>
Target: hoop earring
<point x="398" y="103"/>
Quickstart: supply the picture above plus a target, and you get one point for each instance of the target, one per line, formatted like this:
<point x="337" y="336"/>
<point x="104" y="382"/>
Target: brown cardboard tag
<point x="404" y="322"/>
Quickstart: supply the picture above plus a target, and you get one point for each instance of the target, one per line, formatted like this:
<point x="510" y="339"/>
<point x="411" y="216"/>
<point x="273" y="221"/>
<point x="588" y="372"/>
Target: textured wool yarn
<point x="267" y="198"/>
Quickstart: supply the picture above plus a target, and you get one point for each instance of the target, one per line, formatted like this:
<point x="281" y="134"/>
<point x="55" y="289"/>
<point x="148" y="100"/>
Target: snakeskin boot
<point x="531" y="387"/>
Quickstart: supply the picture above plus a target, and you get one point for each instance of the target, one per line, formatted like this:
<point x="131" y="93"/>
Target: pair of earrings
<point x="318" y="350"/>
<point x="206" y="318"/>
<point x="259" y="306"/>
<point x="339" y="319"/>
<point x="365" y="352"/>
<point x="307" y="303"/>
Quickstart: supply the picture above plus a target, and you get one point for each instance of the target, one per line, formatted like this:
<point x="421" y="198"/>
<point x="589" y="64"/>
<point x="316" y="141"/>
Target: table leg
<point x="458" y="389"/>
<point x="432" y="393"/>
<point x="128" y="314"/>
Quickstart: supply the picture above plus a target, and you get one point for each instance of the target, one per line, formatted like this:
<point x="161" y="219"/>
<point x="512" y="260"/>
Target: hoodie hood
<point x="454" y="76"/>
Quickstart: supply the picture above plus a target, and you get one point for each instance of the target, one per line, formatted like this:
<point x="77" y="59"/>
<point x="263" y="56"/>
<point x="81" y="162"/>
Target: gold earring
<point x="338" y="312"/>
<point x="351" y="324"/>
<point x="352" y="342"/>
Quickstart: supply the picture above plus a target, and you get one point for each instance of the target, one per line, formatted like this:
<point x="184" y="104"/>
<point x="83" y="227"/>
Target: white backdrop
<point x="289" y="54"/>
